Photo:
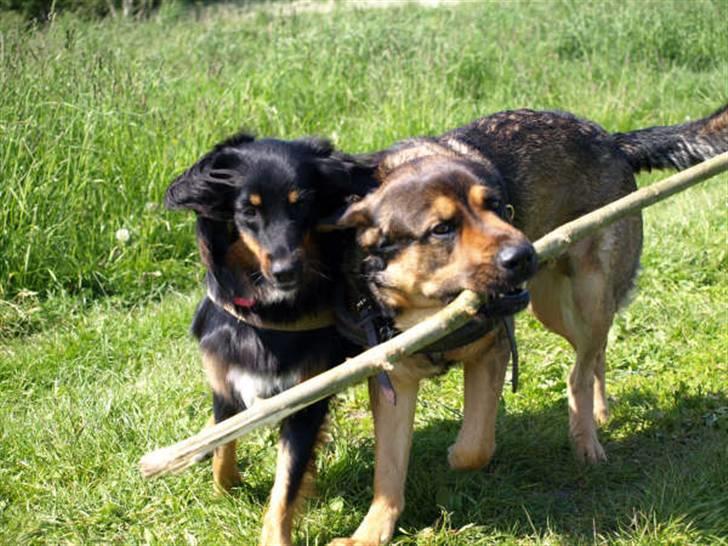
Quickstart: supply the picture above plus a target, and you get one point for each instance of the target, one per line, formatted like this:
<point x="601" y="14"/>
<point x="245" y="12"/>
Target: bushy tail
<point x="676" y="146"/>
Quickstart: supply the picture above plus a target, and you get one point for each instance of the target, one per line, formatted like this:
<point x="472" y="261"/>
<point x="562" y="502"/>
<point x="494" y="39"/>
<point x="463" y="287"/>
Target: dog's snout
<point x="285" y="271"/>
<point x="373" y="264"/>
<point x="518" y="260"/>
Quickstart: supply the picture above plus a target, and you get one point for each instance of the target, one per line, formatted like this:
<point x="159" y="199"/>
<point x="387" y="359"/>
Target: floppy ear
<point x="342" y="175"/>
<point x="213" y="240"/>
<point x="209" y="187"/>
<point x="358" y="215"/>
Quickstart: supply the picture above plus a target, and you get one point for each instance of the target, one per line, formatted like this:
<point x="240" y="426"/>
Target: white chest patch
<point x="251" y="386"/>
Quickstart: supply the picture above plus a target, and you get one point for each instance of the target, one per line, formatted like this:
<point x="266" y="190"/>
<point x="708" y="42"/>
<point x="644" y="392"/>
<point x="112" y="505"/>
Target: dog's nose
<point x="285" y="271"/>
<point x="373" y="264"/>
<point x="518" y="260"/>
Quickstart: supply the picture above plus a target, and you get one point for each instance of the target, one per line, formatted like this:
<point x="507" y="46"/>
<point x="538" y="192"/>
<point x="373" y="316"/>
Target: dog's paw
<point x="463" y="458"/>
<point x="589" y="450"/>
<point x="377" y="527"/>
<point x="223" y="483"/>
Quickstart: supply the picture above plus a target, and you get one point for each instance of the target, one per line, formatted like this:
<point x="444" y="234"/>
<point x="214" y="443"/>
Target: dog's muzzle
<point x="509" y="303"/>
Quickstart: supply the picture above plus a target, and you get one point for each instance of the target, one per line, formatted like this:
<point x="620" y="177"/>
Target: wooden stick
<point x="178" y="456"/>
<point x="270" y="410"/>
<point x="554" y="243"/>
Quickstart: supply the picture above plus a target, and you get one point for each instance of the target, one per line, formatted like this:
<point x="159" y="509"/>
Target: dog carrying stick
<point x="383" y="357"/>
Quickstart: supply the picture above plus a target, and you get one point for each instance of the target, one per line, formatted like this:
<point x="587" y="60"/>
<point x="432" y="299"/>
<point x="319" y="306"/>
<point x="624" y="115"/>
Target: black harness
<point x="361" y="320"/>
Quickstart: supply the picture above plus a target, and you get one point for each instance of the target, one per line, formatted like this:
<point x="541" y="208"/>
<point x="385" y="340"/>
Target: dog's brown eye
<point x="492" y="203"/>
<point x="443" y="229"/>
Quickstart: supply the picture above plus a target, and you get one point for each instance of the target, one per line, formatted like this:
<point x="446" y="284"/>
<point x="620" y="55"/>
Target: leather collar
<point x="360" y="319"/>
<point x="313" y="321"/>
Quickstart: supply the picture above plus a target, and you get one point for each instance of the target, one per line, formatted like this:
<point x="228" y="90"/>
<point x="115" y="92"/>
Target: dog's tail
<point x="676" y="146"/>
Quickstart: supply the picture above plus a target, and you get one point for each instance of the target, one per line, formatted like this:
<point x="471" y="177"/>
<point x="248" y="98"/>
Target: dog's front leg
<point x="484" y="374"/>
<point x="393" y="441"/>
<point x="300" y="434"/>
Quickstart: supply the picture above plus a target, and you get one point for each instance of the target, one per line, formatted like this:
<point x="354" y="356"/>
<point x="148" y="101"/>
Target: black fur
<point x="676" y="146"/>
<point x="219" y="188"/>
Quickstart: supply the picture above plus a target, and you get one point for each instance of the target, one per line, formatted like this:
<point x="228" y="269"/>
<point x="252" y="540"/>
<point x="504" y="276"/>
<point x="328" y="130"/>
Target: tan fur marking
<point x="239" y="256"/>
<point x="225" y="471"/>
<point x="444" y="207"/>
<point x="369" y="237"/>
<point x="216" y="372"/>
<point x="205" y="254"/>
<point x="260" y="254"/>
<point x="278" y="519"/>
<point x="477" y="195"/>
<point x="255" y="199"/>
<point x="293" y="196"/>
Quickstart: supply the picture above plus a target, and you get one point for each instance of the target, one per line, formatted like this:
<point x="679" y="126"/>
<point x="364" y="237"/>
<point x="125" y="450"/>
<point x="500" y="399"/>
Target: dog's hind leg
<point x="484" y="374"/>
<point x="294" y="471"/>
<point x="575" y="298"/>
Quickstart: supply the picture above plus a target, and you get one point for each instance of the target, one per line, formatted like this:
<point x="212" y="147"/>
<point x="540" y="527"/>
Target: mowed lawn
<point x="97" y="367"/>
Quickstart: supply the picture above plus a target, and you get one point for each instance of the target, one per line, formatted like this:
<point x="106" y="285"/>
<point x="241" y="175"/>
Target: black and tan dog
<point x="266" y="322"/>
<point x="456" y="212"/>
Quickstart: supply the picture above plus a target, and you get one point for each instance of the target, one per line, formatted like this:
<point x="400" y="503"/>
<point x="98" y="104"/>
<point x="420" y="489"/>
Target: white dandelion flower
<point x="122" y="235"/>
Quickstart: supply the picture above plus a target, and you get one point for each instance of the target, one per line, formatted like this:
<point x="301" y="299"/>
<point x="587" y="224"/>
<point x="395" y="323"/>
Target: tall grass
<point x="96" y="118"/>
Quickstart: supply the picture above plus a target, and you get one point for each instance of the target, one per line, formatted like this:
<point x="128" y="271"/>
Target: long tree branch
<point x="384" y="356"/>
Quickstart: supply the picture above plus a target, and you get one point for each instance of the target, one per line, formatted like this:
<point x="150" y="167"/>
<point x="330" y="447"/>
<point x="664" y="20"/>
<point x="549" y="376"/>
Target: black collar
<point x="360" y="319"/>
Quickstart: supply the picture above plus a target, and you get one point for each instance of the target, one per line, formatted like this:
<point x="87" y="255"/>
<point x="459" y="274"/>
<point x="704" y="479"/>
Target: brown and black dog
<point x="456" y="212"/>
<point x="266" y="322"/>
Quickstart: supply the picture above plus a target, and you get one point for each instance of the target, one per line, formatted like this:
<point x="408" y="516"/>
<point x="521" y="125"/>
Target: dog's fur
<point x="269" y="283"/>
<point x="441" y="222"/>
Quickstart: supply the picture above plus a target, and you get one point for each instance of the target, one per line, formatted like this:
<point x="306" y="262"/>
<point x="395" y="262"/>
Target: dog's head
<point x="436" y="226"/>
<point x="258" y="203"/>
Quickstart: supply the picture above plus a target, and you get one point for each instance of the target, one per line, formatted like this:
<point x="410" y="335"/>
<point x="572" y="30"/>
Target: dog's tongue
<point x="245" y="303"/>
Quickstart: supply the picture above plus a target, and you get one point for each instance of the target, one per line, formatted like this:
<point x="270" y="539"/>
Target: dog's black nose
<point x="518" y="260"/>
<point x="285" y="271"/>
<point x="373" y="264"/>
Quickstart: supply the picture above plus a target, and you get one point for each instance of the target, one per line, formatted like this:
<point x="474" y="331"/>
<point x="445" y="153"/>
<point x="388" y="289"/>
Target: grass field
<point x="96" y="366"/>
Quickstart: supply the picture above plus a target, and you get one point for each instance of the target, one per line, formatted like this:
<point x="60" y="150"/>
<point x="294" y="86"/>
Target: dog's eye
<point x="492" y="203"/>
<point x="249" y="212"/>
<point x="443" y="229"/>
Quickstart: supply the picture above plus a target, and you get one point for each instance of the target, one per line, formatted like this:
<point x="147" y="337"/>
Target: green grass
<point x="96" y="366"/>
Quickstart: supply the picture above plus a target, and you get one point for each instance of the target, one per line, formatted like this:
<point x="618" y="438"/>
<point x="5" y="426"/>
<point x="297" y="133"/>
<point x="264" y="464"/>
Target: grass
<point x="95" y="364"/>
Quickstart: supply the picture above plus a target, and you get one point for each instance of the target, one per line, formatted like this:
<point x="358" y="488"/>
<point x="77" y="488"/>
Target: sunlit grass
<point x="96" y="366"/>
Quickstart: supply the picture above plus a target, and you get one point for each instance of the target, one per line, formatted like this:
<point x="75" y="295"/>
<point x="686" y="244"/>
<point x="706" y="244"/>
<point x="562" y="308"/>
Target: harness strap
<point x="374" y="337"/>
<point x="510" y="331"/>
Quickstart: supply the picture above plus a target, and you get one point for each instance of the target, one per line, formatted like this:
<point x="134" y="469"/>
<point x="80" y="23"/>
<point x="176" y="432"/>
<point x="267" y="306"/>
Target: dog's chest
<point x="249" y="386"/>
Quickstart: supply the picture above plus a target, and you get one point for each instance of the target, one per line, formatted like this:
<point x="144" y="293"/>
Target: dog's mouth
<point x="503" y="304"/>
<point x="285" y="286"/>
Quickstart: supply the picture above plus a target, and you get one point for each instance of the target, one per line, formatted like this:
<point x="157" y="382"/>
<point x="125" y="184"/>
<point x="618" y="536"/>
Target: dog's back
<point x="440" y="215"/>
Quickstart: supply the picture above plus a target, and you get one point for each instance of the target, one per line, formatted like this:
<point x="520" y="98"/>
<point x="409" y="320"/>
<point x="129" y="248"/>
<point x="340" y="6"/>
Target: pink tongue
<point x="244" y="302"/>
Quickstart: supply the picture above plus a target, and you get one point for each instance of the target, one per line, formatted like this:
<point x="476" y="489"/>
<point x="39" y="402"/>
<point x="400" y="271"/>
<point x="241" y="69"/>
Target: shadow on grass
<point x="664" y="464"/>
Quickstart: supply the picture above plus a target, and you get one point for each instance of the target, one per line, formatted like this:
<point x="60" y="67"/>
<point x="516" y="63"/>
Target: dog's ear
<point x="213" y="240"/>
<point x="358" y="215"/>
<point x="209" y="187"/>
<point x="342" y="175"/>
